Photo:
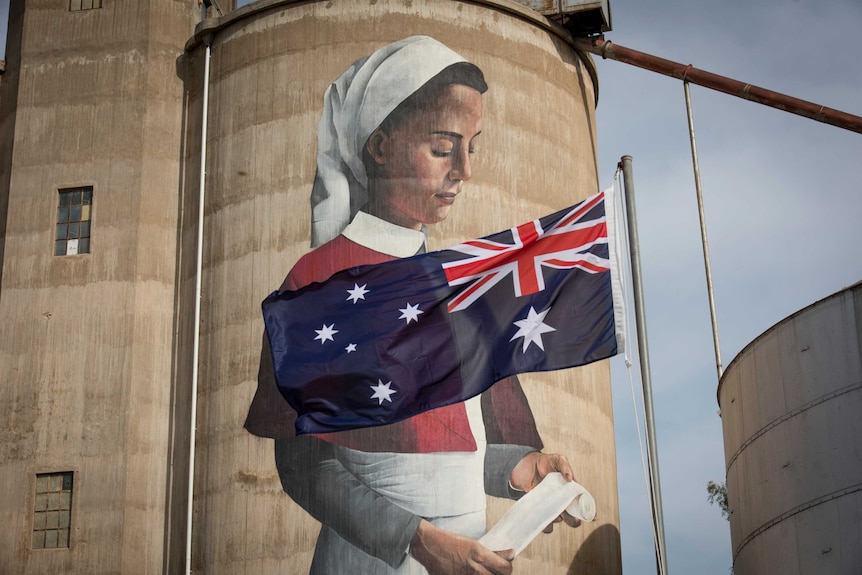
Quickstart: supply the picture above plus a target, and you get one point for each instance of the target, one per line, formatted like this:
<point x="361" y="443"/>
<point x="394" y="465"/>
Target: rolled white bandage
<point x="538" y="508"/>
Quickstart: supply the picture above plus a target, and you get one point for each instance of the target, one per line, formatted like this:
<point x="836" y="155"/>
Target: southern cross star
<point x="357" y="293"/>
<point x="532" y="327"/>
<point x="325" y="333"/>
<point x="351" y="347"/>
<point x="411" y="313"/>
<point x="382" y="392"/>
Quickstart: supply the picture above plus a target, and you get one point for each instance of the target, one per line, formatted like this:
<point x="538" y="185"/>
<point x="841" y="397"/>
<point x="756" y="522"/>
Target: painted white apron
<point x="446" y="489"/>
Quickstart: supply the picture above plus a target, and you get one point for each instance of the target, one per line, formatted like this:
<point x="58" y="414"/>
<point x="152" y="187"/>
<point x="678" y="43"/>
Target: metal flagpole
<point x="704" y="242"/>
<point x="643" y="356"/>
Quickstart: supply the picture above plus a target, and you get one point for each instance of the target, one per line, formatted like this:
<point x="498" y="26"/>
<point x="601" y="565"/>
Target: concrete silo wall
<point x="271" y="63"/>
<point x="87" y="339"/>
<point x="791" y="408"/>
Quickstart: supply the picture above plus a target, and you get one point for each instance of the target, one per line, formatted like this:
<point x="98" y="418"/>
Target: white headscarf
<point x="353" y="107"/>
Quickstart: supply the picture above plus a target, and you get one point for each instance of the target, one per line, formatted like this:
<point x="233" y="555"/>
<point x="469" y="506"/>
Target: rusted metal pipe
<point x="606" y="49"/>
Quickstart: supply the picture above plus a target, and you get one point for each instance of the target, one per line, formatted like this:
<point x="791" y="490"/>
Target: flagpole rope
<point x="621" y="247"/>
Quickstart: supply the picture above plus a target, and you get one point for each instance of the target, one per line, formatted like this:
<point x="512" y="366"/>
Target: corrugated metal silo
<point x="791" y="408"/>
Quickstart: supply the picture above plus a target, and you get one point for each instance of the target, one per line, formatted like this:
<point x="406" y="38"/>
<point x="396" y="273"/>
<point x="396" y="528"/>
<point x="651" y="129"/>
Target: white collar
<point x="384" y="237"/>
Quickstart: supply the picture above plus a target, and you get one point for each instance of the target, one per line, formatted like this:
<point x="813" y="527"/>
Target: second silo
<point x="791" y="409"/>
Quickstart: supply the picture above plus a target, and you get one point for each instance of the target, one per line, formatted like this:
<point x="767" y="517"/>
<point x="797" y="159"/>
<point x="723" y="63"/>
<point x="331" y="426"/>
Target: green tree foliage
<point x="718" y="496"/>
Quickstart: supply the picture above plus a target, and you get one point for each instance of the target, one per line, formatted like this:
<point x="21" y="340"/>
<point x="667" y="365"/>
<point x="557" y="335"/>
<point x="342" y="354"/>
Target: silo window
<point x="74" y="211"/>
<point x="53" y="514"/>
<point x="75" y="5"/>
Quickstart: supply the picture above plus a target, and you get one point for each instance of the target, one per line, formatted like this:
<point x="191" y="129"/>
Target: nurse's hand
<point x="530" y="471"/>
<point x="442" y="552"/>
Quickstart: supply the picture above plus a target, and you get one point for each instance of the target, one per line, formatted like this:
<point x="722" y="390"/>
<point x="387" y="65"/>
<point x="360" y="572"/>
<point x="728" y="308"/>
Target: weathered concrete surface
<point x="87" y="341"/>
<point x="8" y="104"/>
<point x="95" y="354"/>
<point x="791" y="408"/>
<point x="270" y="66"/>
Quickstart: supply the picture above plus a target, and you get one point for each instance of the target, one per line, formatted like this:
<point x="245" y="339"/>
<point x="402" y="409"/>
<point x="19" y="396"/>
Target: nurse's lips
<point x="447" y="197"/>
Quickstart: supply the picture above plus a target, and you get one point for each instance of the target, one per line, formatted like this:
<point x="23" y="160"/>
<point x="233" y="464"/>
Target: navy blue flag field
<point x="377" y="344"/>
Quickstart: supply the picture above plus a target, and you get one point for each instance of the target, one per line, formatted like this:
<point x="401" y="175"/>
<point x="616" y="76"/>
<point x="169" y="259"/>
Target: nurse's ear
<point x="377" y="147"/>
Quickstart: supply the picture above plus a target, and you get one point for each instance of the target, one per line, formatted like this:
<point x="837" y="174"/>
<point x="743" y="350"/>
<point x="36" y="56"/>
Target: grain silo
<point x="92" y="112"/>
<point x="271" y="63"/>
<point x="791" y="409"/>
<point x="105" y="100"/>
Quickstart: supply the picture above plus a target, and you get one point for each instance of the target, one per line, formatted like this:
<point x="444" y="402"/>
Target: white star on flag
<point x="382" y="392"/>
<point x="351" y="347"/>
<point x="532" y="327"/>
<point x="325" y="333"/>
<point x="357" y="293"/>
<point x="411" y="313"/>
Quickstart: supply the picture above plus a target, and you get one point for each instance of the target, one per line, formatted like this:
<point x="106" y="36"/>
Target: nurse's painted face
<point x="421" y="163"/>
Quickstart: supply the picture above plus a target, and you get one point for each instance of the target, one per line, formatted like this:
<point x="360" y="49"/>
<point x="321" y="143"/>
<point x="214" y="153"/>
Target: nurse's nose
<point x="461" y="169"/>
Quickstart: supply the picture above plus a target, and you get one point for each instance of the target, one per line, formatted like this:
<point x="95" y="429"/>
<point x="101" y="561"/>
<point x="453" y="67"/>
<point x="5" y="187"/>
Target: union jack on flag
<point x="376" y="344"/>
<point x="565" y="244"/>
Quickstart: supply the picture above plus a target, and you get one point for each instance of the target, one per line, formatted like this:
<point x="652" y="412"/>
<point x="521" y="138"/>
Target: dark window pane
<point x="55" y="482"/>
<point x="84" y="246"/>
<point x="52" y="516"/>
<point x="39" y="520"/>
<point x="73" y="218"/>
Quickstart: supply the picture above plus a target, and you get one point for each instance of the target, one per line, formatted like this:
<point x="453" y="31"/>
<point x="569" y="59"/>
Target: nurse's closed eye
<point x="442" y="148"/>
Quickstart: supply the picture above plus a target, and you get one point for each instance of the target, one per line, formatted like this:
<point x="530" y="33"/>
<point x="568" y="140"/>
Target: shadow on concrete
<point x="599" y="555"/>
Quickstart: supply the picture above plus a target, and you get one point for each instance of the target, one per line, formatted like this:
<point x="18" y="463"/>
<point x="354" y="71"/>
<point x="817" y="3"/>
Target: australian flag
<point x="377" y="344"/>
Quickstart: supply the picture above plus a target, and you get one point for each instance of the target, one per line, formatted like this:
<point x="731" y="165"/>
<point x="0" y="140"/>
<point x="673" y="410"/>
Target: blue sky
<point x="4" y="24"/>
<point x="782" y="212"/>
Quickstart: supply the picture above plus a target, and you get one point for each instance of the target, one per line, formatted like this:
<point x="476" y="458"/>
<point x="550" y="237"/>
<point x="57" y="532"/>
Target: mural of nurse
<point x="394" y="148"/>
